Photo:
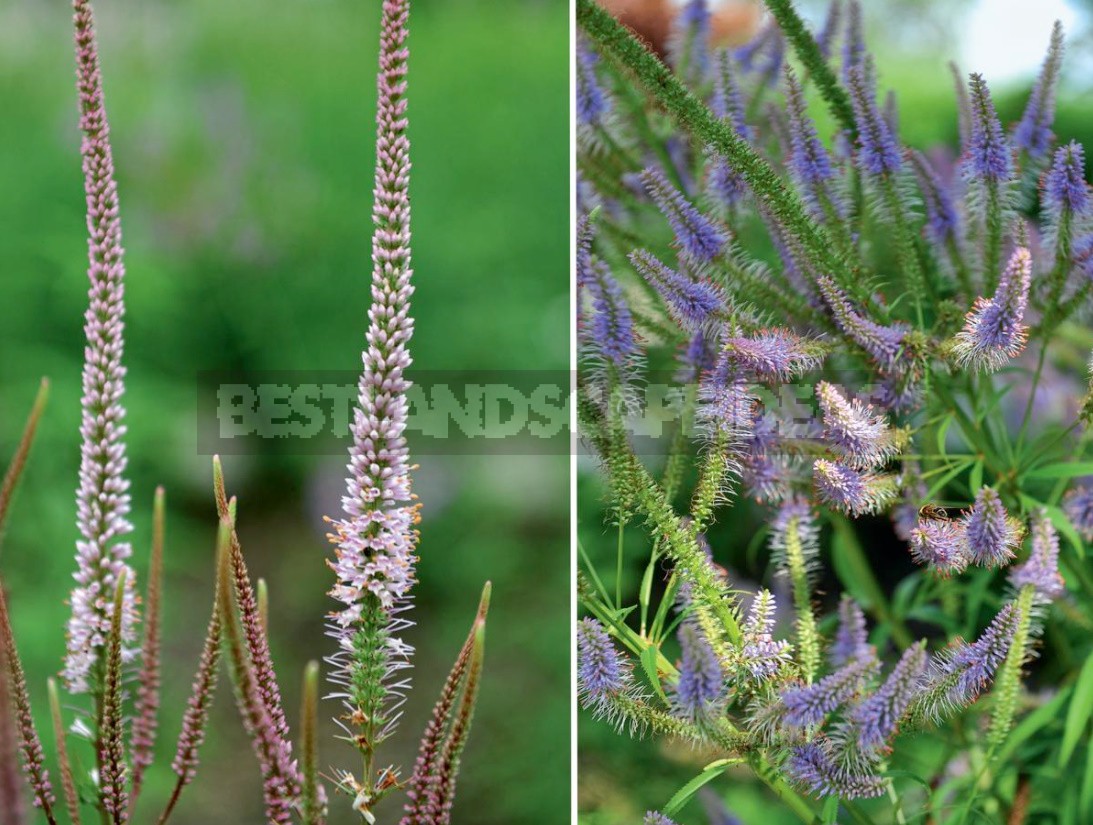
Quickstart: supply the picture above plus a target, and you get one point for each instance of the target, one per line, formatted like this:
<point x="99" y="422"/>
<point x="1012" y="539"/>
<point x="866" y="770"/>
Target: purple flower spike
<point x="724" y="182"/>
<point x="852" y="637"/>
<point x="102" y="501"/>
<point x="610" y="335"/>
<point x="942" y="223"/>
<point x="942" y="544"/>
<point x="701" y="686"/>
<point x="1078" y="505"/>
<point x="774" y="355"/>
<point x="602" y="672"/>
<point x="854" y="53"/>
<point x="654" y="818"/>
<point x="883" y="344"/>
<point x="992" y="535"/>
<point x="689" y="43"/>
<point x="876" y="719"/>
<point x="809" y="705"/>
<point x="878" y="148"/>
<point x="1041" y="571"/>
<point x="830" y="28"/>
<point x="809" y="162"/>
<point x="696" y="234"/>
<point x="1033" y="133"/>
<point x="988" y="156"/>
<point x="726" y="402"/>
<point x="994" y="331"/>
<point x="1065" y="189"/>
<point x="862" y="439"/>
<point x="974" y="665"/>
<point x="593" y="103"/>
<point x="376" y="539"/>
<point x="762" y="656"/>
<point x="850" y="491"/>
<point x="691" y="303"/>
<point x="814" y="767"/>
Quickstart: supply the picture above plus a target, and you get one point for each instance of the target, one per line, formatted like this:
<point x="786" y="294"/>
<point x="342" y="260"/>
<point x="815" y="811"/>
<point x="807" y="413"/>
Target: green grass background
<point x="243" y="137"/>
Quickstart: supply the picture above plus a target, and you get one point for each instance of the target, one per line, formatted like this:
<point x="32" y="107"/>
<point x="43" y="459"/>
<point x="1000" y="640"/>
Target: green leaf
<point x="1086" y="798"/>
<point x="1062" y="469"/>
<point x="684" y="794"/>
<point x="1077" y="716"/>
<point x="941" y="483"/>
<point x="942" y="433"/>
<point x="649" y="665"/>
<point x="975" y="480"/>
<point x="831" y="811"/>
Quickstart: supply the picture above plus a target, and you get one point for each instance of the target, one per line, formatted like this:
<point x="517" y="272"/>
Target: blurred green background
<point x="243" y="134"/>
<point x="912" y="40"/>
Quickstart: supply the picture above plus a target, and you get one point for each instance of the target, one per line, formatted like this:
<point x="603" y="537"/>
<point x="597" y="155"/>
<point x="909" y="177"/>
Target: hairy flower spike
<point x="774" y="355"/>
<point x="862" y="439"/>
<point x="878" y="148"/>
<point x="942" y="544"/>
<point x="692" y="303"/>
<point x="696" y="234"/>
<point x="654" y="818"/>
<point x="942" y="222"/>
<point x="722" y="181"/>
<point x="1078" y="505"/>
<point x="826" y="36"/>
<point x="854" y="53"/>
<point x="610" y="335"/>
<point x="1041" y="570"/>
<point x="602" y="672"/>
<point x="852" y="638"/>
<point x="103" y="496"/>
<point x="876" y="719"/>
<point x="994" y="331"/>
<point x="992" y="535"/>
<point x="814" y="767"/>
<point x="1065" y="189"/>
<point x="688" y="45"/>
<point x="987" y="156"/>
<point x="809" y="705"/>
<point x="809" y="162"/>
<point x="1033" y="134"/>
<point x="762" y="656"/>
<point x="701" y="687"/>
<point x="593" y="103"/>
<point x="376" y="539"/>
<point x="850" y="491"/>
<point x="963" y="671"/>
<point x="883" y="344"/>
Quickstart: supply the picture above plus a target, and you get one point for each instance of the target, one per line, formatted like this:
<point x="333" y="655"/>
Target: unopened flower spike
<point x="851" y="491"/>
<point x="762" y="656"/>
<point x="1041" y="570"/>
<point x="993" y="536"/>
<point x="994" y="330"/>
<point x="862" y="438"/>
<point x="942" y="544"/>
<point x="700" y="690"/>
<point x="102" y="500"/>
<point x="696" y="235"/>
<point x="879" y="151"/>
<point x="1033" y="133"/>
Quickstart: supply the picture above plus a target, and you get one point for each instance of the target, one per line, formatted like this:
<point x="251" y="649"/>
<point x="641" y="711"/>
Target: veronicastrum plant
<point x="105" y="709"/>
<point x="921" y="305"/>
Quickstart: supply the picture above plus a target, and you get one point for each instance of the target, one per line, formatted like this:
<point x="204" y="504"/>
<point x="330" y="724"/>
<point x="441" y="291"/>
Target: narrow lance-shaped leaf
<point x="68" y="784"/>
<point x="196" y="717"/>
<point x="19" y="460"/>
<point x="423" y="790"/>
<point x="143" y="734"/>
<point x="30" y="745"/>
<point x="279" y="785"/>
<point x="312" y="796"/>
<point x="112" y="766"/>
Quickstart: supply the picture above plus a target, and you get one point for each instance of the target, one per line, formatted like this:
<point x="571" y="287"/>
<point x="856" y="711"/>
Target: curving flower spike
<point x="696" y="234"/>
<point x="883" y="344"/>
<point x="692" y="304"/>
<point x="862" y="439"/>
<point x="876" y="720"/>
<point x="1033" y="133"/>
<point x="987" y="156"/>
<point x="808" y="705"/>
<point x="809" y="162"/>
<point x="941" y="544"/>
<point x="879" y="151"/>
<point x="1078" y="506"/>
<point x="1041" y="570"/>
<point x="700" y="691"/>
<point x="967" y="669"/>
<point x="994" y="331"/>
<point x="852" y="637"/>
<point x="602" y="672"/>
<point x="774" y="354"/>
<point x="992" y="534"/>
<point x="813" y="766"/>
<point x="850" y="491"/>
<point x="942" y="221"/>
<point x="102" y="499"/>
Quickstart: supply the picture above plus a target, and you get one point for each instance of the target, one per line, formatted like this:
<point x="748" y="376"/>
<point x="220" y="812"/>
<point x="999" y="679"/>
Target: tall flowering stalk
<point x="102" y="499"/>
